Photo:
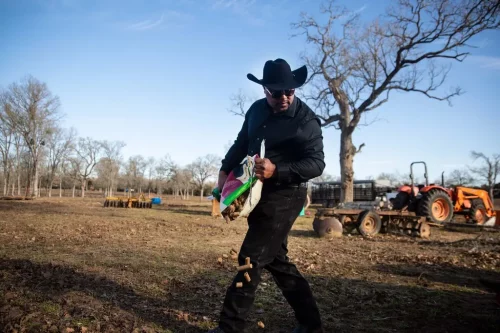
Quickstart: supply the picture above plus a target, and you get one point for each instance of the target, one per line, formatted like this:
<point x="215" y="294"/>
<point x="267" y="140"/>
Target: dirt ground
<point x="70" y="265"/>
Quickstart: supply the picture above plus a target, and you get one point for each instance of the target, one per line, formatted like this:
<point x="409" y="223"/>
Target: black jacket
<point x="294" y="141"/>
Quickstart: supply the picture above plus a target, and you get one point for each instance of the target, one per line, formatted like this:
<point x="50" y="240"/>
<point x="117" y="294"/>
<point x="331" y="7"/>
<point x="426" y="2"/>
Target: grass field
<point x="70" y="265"/>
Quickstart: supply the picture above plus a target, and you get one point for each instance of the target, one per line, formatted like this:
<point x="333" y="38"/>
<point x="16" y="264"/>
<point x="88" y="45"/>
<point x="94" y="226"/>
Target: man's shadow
<point x="347" y="305"/>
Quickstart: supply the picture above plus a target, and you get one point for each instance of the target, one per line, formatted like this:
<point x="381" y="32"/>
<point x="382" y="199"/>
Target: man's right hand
<point x="222" y="180"/>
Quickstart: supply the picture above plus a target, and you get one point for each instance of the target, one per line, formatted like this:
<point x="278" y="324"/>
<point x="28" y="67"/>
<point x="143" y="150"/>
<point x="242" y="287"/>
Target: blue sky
<point x="158" y="75"/>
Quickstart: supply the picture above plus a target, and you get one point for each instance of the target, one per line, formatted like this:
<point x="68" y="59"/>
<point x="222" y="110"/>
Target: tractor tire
<point x="401" y="200"/>
<point x="477" y="212"/>
<point x="436" y="205"/>
<point x="369" y="223"/>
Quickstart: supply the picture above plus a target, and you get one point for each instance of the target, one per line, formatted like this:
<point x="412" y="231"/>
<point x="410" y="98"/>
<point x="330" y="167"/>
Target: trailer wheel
<point x="369" y="223"/>
<point x="348" y="223"/>
<point x="424" y="230"/>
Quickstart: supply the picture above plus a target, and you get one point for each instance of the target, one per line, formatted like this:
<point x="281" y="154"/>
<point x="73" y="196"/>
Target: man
<point x="294" y="155"/>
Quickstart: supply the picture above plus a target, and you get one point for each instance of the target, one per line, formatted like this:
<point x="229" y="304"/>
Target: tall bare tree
<point x="32" y="111"/>
<point x="202" y="169"/>
<point x="88" y="153"/>
<point x="150" y="172"/>
<point x="488" y="171"/>
<point x="7" y="134"/>
<point x="109" y="165"/>
<point x="356" y="67"/>
<point x="59" y="145"/>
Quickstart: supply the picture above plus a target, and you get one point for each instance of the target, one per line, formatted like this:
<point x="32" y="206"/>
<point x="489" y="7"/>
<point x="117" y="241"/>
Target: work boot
<point x="216" y="330"/>
<point x="303" y="329"/>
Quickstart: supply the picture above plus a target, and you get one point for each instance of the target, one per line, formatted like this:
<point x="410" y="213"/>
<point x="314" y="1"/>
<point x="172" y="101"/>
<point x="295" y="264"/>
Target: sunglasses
<point x="279" y="93"/>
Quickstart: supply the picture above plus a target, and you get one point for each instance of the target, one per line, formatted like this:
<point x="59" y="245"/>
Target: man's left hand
<point x="264" y="168"/>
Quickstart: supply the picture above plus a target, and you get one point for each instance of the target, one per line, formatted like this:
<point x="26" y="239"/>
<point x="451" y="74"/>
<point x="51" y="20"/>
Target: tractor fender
<point x="407" y="189"/>
<point x="436" y="187"/>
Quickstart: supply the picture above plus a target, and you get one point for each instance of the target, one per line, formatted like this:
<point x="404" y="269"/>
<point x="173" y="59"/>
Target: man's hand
<point x="222" y="180"/>
<point x="264" y="168"/>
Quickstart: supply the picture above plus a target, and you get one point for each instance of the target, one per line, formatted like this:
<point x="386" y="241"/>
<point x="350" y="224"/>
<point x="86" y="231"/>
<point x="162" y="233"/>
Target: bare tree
<point x="150" y="171"/>
<point x="182" y="181"/>
<point x="109" y="164"/>
<point x="355" y="68"/>
<point x="6" y="141"/>
<point x="88" y="153"/>
<point x="325" y="177"/>
<point x="392" y="178"/>
<point x="203" y="168"/>
<point x="71" y="168"/>
<point x="488" y="171"/>
<point x="135" y="169"/>
<point x="240" y="102"/>
<point x="20" y="150"/>
<point x="31" y="110"/>
<point x="163" y="171"/>
<point x="59" y="145"/>
<point x="459" y="177"/>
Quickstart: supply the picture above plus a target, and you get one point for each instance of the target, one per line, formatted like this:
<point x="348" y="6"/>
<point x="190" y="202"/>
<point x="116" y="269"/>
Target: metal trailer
<point x="370" y="222"/>
<point x="327" y="194"/>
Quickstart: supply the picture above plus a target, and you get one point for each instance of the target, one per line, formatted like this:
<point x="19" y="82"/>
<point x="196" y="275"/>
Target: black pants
<point x="266" y="245"/>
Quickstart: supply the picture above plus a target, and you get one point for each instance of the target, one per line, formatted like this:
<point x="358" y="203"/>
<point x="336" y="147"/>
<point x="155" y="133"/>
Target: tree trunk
<point x="60" y="187"/>
<point x="35" y="180"/>
<point x="346" y="167"/>
<point x="201" y="193"/>
<point x="83" y="188"/>
<point x="39" y="189"/>
<point x="6" y="176"/>
<point x="74" y="186"/>
<point x="491" y="194"/>
<point x="13" y="188"/>
<point x="19" y="183"/>
<point x="51" y="182"/>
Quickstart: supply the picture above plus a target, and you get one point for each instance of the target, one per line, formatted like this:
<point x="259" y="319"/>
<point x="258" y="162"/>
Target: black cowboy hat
<point x="279" y="76"/>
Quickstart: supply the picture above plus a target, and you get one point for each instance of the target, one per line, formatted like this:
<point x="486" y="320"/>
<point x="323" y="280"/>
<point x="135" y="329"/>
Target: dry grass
<point x="70" y="265"/>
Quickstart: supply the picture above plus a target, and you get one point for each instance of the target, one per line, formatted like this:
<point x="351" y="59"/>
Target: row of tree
<point x="36" y="152"/>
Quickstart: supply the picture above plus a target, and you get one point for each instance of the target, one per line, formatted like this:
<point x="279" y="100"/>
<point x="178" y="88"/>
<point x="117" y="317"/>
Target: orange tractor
<point x="439" y="203"/>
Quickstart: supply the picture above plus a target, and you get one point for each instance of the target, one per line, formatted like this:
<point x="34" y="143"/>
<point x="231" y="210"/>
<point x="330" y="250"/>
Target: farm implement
<point x="128" y="202"/>
<point x="413" y="210"/>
